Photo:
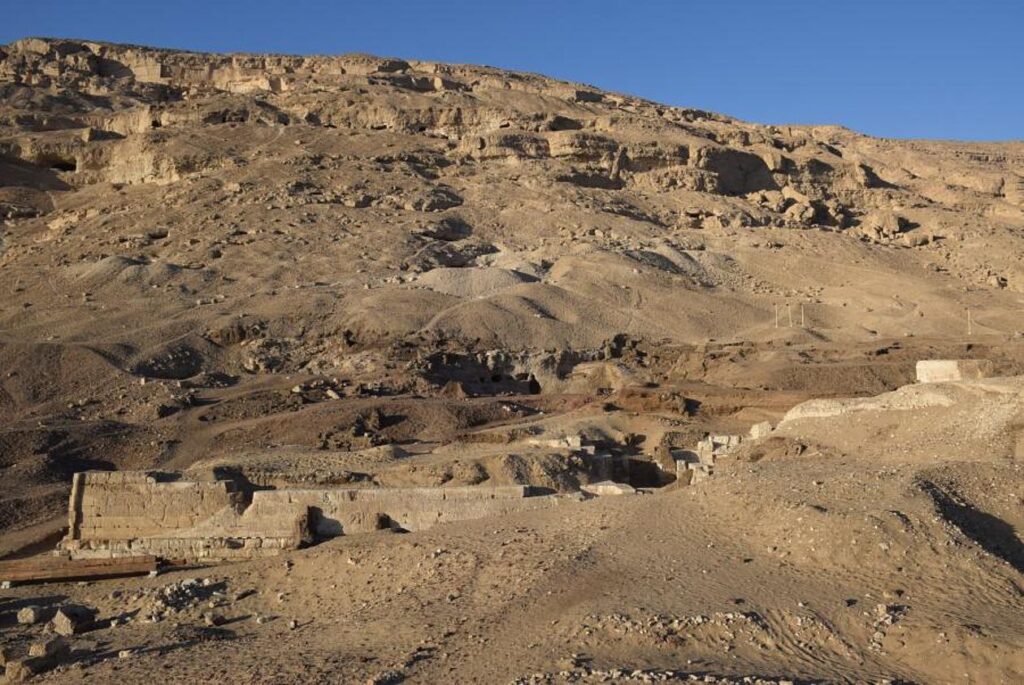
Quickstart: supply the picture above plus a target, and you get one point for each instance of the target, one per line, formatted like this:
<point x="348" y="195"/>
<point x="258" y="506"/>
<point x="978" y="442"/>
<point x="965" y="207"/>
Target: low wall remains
<point x="947" y="370"/>
<point x="346" y="511"/>
<point x="132" y="513"/>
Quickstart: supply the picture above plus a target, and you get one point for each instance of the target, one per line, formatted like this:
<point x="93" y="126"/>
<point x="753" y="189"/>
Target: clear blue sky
<point x="900" y="68"/>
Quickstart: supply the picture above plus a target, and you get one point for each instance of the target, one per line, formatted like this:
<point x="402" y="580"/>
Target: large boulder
<point x="882" y="225"/>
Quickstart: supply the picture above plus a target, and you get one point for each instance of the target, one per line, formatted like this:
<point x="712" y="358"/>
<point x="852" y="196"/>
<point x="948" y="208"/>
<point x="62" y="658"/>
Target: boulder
<point x="608" y="487"/>
<point x="448" y="229"/>
<point x="997" y="281"/>
<point x="882" y="225"/>
<point x="916" y="239"/>
<point x="73" y="619"/>
<point x="800" y="213"/>
<point x="791" y="193"/>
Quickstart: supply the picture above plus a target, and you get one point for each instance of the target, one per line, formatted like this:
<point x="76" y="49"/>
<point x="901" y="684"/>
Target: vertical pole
<point x="803" y="319"/>
<point x="969" y="326"/>
<point x="776" y="314"/>
<point x="789" y="313"/>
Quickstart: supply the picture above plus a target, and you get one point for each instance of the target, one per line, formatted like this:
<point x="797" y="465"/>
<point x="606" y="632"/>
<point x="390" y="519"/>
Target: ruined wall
<point x="129" y="513"/>
<point x="106" y="504"/>
<point x="346" y="511"/>
<point x="946" y="370"/>
<point x="132" y="513"/>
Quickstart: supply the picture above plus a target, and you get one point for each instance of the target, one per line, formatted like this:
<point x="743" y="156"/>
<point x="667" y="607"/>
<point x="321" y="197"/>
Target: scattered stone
<point x="212" y="619"/>
<point x="73" y="619"/>
<point x="20" y="670"/>
<point x="388" y="677"/>
<point x="882" y="226"/>
<point x="31" y="615"/>
<point x="56" y="647"/>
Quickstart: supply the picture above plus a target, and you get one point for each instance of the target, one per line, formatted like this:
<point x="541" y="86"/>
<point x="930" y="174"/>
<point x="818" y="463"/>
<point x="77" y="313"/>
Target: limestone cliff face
<point x="309" y="197"/>
<point x="75" y="104"/>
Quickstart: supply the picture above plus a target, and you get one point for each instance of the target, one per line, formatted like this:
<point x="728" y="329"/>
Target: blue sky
<point x="898" y="68"/>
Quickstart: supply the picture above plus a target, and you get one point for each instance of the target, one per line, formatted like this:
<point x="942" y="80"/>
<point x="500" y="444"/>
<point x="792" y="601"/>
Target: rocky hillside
<point x="355" y="198"/>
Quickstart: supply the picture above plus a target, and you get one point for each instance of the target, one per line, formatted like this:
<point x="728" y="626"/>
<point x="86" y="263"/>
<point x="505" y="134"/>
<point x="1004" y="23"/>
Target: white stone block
<point x="608" y="487"/>
<point x="947" y="370"/>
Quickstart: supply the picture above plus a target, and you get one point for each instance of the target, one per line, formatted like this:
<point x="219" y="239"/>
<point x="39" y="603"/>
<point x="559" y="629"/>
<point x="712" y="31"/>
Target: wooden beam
<point x="43" y="568"/>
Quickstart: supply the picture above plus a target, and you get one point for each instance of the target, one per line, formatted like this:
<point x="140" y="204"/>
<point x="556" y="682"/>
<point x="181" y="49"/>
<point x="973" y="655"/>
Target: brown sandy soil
<point x="378" y="273"/>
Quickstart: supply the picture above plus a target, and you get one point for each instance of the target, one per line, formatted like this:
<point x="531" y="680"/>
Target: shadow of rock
<point x="995" y="536"/>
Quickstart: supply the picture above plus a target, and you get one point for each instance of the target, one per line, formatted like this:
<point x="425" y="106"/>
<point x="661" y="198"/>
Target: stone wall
<point x="346" y="511"/>
<point x="693" y="466"/>
<point x="946" y="370"/>
<point x="131" y="513"/>
<point x="128" y="513"/>
<point x="106" y="504"/>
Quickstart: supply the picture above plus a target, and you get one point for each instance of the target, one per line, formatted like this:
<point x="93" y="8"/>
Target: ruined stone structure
<point x="114" y="514"/>
<point x="946" y="370"/>
<point x="345" y="511"/>
<point x="132" y="513"/>
<point x="693" y="466"/>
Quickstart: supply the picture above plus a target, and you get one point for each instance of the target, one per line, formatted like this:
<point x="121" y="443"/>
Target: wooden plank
<point x="58" y="562"/>
<point x="74" y="571"/>
<point x="56" y="568"/>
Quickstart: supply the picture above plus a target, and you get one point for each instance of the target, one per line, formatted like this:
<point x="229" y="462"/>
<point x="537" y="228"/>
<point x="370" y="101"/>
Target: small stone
<point x="55" y="647"/>
<point x="30" y="615"/>
<point x="21" y="670"/>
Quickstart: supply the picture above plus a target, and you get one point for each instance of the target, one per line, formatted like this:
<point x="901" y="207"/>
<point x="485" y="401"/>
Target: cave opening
<point x="62" y="164"/>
